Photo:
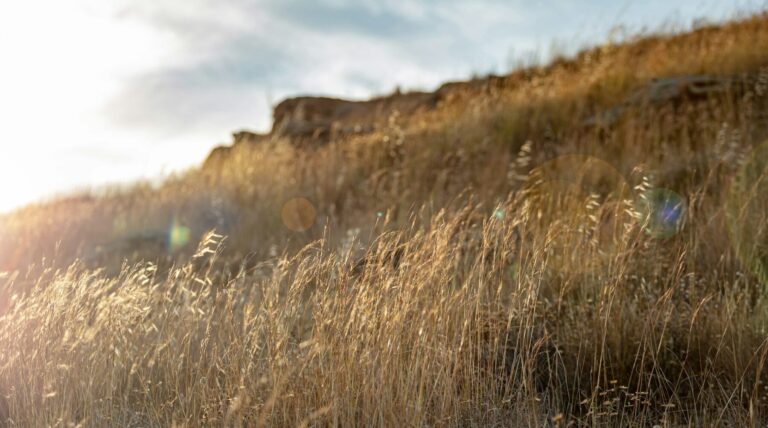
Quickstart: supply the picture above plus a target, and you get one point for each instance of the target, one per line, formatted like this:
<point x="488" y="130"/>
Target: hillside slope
<point x="353" y="160"/>
<point x="581" y="244"/>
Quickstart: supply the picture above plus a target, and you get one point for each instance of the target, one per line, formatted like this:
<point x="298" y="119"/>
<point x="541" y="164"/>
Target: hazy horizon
<point x="98" y="92"/>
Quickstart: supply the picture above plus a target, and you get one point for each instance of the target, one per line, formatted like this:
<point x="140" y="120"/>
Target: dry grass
<point x="491" y="263"/>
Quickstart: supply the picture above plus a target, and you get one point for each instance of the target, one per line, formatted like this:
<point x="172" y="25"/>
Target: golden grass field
<point x="492" y="262"/>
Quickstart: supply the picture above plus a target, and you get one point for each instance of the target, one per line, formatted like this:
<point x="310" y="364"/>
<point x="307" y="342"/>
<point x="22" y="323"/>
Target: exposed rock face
<point x="669" y="90"/>
<point x="316" y="120"/>
<point x="322" y="119"/>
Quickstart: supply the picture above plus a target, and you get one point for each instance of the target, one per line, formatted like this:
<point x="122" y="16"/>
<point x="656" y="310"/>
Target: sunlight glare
<point x="57" y="74"/>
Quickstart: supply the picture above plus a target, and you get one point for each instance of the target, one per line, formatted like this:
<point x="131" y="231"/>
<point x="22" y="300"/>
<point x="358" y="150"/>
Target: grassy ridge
<point x="492" y="262"/>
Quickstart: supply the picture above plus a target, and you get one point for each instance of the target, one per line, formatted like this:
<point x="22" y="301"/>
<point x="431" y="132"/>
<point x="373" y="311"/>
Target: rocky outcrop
<point x="320" y="119"/>
<point x="312" y="120"/>
<point x="665" y="90"/>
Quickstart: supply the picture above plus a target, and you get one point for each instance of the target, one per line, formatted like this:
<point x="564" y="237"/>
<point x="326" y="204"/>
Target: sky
<point x="107" y="91"/>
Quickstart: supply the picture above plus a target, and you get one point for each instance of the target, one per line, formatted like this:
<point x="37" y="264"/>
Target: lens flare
<point x="178" y="236"/>
<point x="663" y="212"/>
<point x="576" y="201"/>
<point x="298" y="214"/>
<point x="746" y="208"/>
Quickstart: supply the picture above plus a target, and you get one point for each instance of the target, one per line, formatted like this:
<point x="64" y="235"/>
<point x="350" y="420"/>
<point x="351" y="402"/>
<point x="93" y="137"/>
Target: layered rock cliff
<point x="309" y="120"/>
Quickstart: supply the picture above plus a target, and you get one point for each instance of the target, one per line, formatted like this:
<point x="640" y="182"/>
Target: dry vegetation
<point x="490" y="263"/>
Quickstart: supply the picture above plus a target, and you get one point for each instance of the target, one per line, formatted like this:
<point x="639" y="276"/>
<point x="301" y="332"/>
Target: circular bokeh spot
<point x="298" y="214"/>
<point x="178" y="235"/>
<point x="576" y="211"/>
<point x="746" y="209"/>
<point x="663" y="212"/>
